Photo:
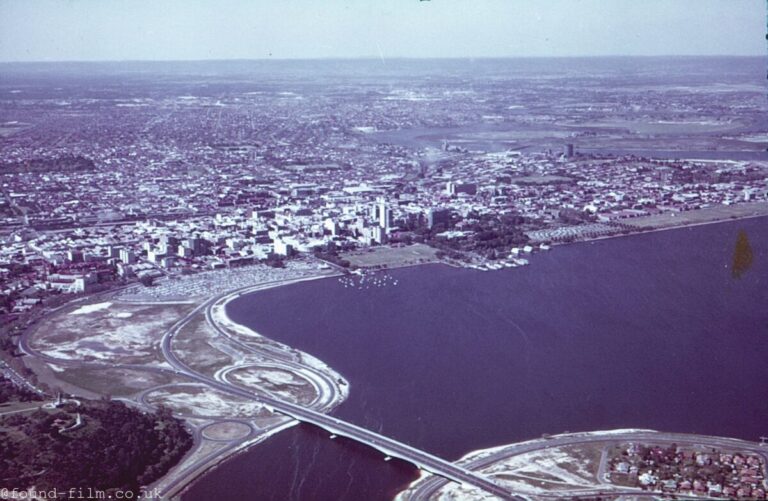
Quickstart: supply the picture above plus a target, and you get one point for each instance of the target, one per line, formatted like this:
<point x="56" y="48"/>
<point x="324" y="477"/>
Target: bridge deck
<point x="391" y="447"/>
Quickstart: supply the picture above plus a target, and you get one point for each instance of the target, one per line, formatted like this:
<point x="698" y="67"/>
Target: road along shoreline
<point x="332" y="388"/>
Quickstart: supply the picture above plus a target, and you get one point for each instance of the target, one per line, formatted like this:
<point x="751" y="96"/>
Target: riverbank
<point x="541" y="349"/>
<point x="574" y="464"/>
<point x="173" y="487"/>
<point x="400" y="256"/>
<point x="219" y="316"/>
<point x="683" y="225"/>
<point x="334" y="394"/>
<point x="703" y="215"/>
<point x="331" y="387"/>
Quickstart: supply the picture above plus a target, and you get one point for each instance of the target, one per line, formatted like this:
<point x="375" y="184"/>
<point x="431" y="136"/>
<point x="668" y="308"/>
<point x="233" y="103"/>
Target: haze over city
<point x="82" y="30"/>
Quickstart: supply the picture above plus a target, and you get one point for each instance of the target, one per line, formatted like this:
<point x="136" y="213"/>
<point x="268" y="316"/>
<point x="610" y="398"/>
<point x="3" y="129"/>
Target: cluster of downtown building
<point x="303" y="207"/>
<point x="180" y="184"/>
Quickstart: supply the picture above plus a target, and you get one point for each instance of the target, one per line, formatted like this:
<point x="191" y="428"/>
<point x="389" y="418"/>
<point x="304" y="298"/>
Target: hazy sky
<point x="34" y="30"/>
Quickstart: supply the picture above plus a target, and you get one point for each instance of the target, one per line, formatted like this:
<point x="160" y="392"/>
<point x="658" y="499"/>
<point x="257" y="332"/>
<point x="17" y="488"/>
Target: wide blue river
<point x="648" y="331"/>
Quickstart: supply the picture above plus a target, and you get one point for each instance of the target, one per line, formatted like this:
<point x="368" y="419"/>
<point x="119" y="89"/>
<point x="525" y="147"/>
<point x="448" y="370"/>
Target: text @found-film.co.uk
<point x="79" y="493"/>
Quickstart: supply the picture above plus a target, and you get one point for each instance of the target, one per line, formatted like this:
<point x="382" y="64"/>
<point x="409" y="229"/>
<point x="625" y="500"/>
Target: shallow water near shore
<point x="646" y="331"/>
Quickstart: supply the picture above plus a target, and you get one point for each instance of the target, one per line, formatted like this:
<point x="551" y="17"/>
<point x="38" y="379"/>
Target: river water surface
<point x="647" y="331"/>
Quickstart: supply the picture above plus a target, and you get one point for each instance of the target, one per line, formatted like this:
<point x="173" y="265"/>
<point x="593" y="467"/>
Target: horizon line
<point x="370" y="57"/>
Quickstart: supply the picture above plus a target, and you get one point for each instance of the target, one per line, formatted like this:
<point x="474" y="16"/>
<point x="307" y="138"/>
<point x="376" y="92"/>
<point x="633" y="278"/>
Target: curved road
<point x="427" y="488"/>
<point x="423" y="489"/>
<point x="386" y="445"/>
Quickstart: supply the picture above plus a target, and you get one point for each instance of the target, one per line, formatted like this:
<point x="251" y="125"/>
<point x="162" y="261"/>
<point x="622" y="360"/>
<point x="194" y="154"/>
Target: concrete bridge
<point x="390" y="447"/>
<point x="386" y="445"/>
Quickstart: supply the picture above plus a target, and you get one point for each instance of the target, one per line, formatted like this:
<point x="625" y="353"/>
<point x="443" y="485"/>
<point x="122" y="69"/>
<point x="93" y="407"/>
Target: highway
<point x="468" y="473"/>
<point x="16" y="378"/>
<point x="391" y="447"/>
<point x="386" y="445"/>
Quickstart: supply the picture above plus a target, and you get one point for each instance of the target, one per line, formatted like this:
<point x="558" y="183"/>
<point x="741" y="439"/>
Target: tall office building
<point x="385" y="215"/>
<point x="382" y="214"/>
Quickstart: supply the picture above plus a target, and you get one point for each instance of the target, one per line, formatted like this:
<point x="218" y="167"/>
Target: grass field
<point x="195" y="344"/>
<point x="114" y="381"/>
<point x="391" y="257"/>
<point x="699" y="216"/>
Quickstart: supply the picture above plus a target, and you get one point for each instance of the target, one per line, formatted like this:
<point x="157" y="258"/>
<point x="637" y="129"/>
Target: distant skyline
<point x="109" y="30"/>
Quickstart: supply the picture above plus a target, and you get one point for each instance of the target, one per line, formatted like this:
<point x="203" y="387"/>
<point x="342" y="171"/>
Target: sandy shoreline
<point x="519" y="459"/>
<point x="219" y="316"/>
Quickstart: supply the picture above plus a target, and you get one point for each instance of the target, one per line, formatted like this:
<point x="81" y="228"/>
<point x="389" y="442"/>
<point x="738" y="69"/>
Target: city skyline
<point x="116" y="30"/>
<point x="409" y="250"/>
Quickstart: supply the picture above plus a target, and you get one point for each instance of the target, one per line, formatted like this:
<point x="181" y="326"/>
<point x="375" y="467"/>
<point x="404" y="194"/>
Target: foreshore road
<point x="324" y="383"/>
<point x="281" y="357"/>
<point x="428" y="488"/>
<point x="388" y="446"/>
<point x="465" y="473"/>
